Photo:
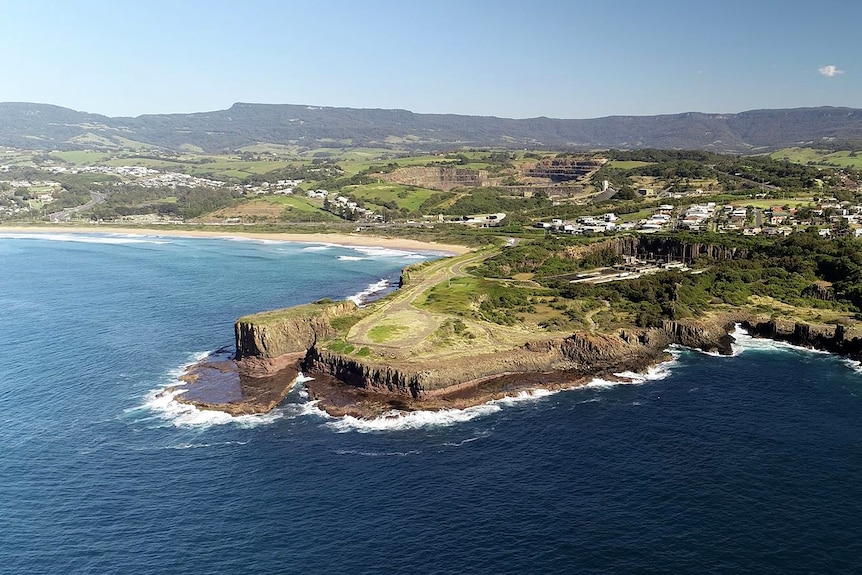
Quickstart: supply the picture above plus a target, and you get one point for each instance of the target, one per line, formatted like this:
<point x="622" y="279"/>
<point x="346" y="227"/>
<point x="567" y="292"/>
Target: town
<point x="558" y="193"/>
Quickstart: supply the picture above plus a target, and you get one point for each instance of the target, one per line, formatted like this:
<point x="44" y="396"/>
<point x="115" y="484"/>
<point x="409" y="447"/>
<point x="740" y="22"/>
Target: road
<point x="96" y="198"/>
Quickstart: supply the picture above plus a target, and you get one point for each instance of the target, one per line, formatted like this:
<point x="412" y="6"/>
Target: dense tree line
<point x="785" y="270"/>
<point x="732" y="172"/>
<point x="492" y="200"/>
<point x="181" y="202"/>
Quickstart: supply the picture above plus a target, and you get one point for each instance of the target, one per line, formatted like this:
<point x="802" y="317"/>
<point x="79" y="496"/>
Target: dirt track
<point x="413" y="324"/>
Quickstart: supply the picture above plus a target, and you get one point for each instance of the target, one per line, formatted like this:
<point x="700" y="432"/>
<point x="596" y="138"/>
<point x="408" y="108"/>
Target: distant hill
<point x="42" y="126"/>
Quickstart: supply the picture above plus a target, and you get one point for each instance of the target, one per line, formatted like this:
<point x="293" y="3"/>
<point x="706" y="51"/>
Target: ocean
<point x="750" y="463"/>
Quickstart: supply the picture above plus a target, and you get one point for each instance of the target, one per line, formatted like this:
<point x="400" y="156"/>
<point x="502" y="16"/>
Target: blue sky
<point x="563" y="59"/>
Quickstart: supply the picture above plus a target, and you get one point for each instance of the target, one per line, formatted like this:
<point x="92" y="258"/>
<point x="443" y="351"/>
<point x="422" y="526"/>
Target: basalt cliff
<point x="369" y="386"/>
<point x="831" y="338"/>
<point x="364" y="387"/>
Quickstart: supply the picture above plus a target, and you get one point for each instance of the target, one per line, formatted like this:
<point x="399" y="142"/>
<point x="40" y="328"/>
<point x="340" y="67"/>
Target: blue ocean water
<point x="751" y="463"/>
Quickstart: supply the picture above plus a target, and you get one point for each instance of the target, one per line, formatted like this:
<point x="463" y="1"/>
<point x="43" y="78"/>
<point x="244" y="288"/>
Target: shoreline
<point x="337" y="238"/>
<point x="265" y="382"/>
<point x="339" y="399"/>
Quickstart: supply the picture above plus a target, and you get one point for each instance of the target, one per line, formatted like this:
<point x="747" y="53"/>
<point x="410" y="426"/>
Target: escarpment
<point x="275" y="333"/>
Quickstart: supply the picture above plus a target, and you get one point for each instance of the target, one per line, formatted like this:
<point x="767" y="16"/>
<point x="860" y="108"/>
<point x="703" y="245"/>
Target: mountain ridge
<point x="47" y="126"/>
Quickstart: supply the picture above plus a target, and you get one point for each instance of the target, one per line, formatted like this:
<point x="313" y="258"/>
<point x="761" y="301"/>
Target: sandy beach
<point x="311" y="238"/>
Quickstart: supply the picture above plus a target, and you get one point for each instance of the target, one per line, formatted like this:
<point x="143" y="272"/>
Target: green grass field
<point x="454" y="296"/>
<point x="767" y="203"/>
<point x="385" y="332"/>
<point x="626" y="165"/>
<point x="83" y="157"/>
<point x="403" y="196"/>
<point x="637" y="216"/>
<point x="843" y="158"/>
<point x="213" y="166"/>
<point x="297" y="203"/>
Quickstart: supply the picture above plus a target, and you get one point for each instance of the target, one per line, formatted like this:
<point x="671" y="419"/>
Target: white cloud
<point x="830" y="70"/>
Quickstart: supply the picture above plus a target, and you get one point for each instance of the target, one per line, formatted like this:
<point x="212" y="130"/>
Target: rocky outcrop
<point x="407" y="273"/>
<point x="275" y="333"/>
<point x="707" y="335"/>
<point x="831" y="338"/>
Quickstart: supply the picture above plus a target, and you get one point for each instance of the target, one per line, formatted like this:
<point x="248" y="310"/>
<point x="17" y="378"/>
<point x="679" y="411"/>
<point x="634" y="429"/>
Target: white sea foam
<point x="471" y="439"/>
<point x="317" y="248"/>
<point x="406" y="420"/>
<point x="652" y="373"/>
<point x="745" y="342"/>
<point x="599" y="383"/>
<point x="377" y="453"/>
<point x="399" y="420"/>
<point x="201" y="445"/>
<point x="360" y="298"/>
<point x="526" y="395"/>
<point x="377" y="252"/>
<point x="163" y="404"/>
<point x="351" y="258"/>
<point x="114" y="239"/>
<point x="853" y="364"/>
<point x="262" y="241"/>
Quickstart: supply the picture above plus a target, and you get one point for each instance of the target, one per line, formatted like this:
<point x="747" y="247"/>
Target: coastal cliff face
<point x="831" y="338"/>
<point x="352" y="371"/>
<point x="272" y="334"/>
<point x="579" y="355"/>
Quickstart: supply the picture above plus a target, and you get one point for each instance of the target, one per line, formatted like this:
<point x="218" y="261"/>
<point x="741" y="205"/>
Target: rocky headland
<point x="271" y="354"/>
<point x="399" y="354"/>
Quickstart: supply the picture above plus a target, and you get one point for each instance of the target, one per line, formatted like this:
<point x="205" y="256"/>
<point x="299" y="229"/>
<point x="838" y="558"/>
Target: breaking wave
<point x="114" y="239"/>
<point x="401" y="420"/>
<point x="376" y="252"/>
<point x="360" y="298"/>
<point x="410" y="420"/>
<point x="162" y="404"/>
<point x="853" y="364"/>
<point x="746" y="342"/>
